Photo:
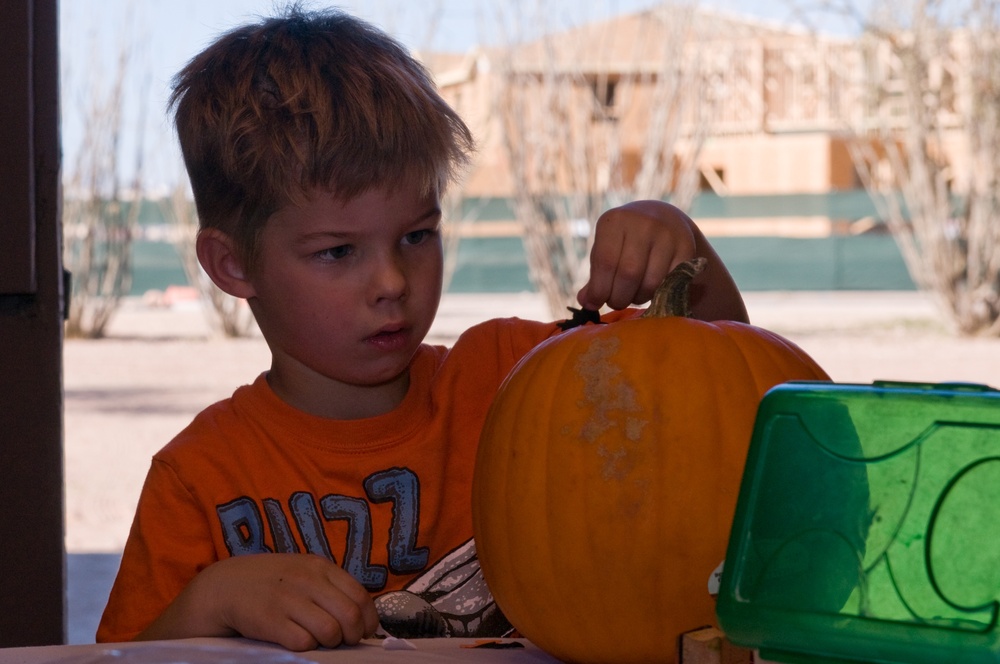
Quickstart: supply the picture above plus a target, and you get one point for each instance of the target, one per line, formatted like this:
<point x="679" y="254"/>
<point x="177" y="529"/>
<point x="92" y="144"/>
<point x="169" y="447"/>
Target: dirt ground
<point x="128" y="394"/>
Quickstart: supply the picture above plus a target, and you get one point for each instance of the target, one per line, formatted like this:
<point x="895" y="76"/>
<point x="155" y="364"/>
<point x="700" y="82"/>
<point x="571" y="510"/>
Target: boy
<point x="318" y="150"/>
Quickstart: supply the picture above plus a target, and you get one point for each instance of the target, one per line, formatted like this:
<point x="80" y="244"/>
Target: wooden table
<point x="240" y="651"/>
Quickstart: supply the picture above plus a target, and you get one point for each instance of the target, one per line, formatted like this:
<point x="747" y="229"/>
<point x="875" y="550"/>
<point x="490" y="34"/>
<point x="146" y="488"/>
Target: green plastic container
<point x="867" y="527"/>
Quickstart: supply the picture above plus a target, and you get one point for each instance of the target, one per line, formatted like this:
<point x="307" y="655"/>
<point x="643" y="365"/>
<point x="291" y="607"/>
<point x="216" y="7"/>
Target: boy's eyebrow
<point x="322" y="235"/>
<point x="434" y="211"/>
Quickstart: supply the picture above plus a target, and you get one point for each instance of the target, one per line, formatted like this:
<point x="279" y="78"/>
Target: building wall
<point x="772" y="164"/>
<point x="779" y="131"/>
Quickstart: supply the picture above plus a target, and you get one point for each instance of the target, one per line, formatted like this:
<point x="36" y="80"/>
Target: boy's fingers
<point x="326" y="628"/>
<point x="633" y="267"/>
<point x="287" y="633"/>
<point x="358" y="594"/>
<point x="329" y="618"/>
<point x="348" y="601"/>
<point x="660" y="262"/>
<point x="603" y="268"/>
<point x="372" y="619"/>
<point x="314" y="603"/>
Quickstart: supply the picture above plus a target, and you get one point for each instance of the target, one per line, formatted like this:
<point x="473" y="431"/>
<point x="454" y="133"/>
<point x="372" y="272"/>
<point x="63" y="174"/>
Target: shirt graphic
<point x="449" y="598"/>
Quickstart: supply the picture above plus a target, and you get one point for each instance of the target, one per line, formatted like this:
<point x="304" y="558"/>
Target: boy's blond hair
<point x="307" y="100"/>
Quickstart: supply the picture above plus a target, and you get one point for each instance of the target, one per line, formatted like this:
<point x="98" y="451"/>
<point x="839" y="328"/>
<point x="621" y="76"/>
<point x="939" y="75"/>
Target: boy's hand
<point x="635" y="248"/>
<point x="300" y="601"/>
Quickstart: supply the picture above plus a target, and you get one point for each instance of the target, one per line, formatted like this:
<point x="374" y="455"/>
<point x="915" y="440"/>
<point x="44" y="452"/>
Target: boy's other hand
<point x="635" y="247"/>
<point x="300" y="601"/>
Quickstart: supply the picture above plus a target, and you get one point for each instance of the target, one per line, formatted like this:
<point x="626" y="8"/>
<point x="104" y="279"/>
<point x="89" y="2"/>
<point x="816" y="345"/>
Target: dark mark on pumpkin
<point x="495" y="645"/>
<point x="581" y="317"/>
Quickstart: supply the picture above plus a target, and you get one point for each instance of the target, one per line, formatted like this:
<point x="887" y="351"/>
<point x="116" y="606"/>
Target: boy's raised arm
<point x="637" y="244"/>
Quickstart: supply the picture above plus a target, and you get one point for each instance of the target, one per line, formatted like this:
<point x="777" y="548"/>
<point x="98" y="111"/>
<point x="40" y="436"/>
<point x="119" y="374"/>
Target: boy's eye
<point x="416" y="237"/>
<point x="336" y="253"/>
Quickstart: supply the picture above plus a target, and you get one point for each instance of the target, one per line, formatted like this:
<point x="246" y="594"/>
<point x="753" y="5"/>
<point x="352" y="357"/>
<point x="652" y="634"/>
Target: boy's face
<point x="344" y="293"/>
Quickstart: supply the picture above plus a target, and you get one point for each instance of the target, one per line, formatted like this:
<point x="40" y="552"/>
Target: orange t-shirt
<point x="388" y="498"/>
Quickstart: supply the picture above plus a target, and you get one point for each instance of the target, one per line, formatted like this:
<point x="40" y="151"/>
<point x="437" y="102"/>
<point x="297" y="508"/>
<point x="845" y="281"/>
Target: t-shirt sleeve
<point x="168" y="545"/>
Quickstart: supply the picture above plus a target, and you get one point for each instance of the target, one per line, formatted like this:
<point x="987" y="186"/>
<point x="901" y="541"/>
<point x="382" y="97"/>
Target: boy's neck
<point x="322" y="397"/>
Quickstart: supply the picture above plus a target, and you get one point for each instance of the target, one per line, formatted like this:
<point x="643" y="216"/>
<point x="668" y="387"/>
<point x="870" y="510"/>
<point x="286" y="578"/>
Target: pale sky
<point x="164" y="34"/>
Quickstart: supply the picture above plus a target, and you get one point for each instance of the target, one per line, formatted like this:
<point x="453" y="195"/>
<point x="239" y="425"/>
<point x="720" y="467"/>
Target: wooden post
<point x="32" y="556"/>
<point x="709" y="646"/>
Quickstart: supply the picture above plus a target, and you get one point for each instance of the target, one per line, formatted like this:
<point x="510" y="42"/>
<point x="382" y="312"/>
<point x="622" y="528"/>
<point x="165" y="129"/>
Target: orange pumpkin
<point x="607" y="476"/>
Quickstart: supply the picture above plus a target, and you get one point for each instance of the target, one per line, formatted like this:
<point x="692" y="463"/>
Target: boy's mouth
<point x="390" y="337"/>
<point x="391" y="328"/>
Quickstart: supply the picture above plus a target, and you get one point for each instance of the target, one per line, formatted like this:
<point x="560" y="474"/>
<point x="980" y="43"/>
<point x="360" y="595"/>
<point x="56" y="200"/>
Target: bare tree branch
<point x="100" y="210"/>
<point x="593" y="117"/>
<point x="929" y="152"/>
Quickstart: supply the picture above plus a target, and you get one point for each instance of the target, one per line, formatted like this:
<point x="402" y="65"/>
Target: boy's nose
<point x="389" y="280"/>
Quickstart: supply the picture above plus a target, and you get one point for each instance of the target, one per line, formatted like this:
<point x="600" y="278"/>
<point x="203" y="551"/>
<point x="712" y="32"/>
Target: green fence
<point x="497" y="264"/>
<point x="864" y="262"/>
<point x="852" y="204"/>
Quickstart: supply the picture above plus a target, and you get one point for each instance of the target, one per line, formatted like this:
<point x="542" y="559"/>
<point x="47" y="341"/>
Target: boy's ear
<point x="218" y="257"/>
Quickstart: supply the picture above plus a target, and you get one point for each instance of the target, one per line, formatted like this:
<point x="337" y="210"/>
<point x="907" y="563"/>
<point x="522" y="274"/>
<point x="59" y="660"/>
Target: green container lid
<point x="867" y="527"/>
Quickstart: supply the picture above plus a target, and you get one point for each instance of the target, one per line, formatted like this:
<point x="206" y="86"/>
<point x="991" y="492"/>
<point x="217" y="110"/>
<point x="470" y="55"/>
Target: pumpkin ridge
<point x="777" y="349"/>
<point x="515" y="524"/>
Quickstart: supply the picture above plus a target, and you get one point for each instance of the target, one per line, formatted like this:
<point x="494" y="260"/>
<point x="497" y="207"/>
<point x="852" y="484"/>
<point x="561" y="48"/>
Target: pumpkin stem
<point x="673" y="297"/>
